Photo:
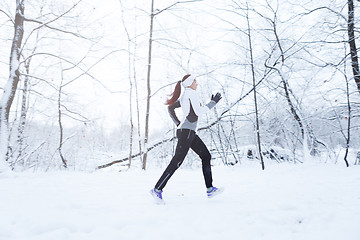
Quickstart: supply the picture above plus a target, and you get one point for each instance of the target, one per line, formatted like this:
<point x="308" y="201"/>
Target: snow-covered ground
<point x="285" y="201"/>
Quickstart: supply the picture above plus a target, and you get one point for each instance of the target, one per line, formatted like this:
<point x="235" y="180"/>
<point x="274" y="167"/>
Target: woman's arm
<point x="198" y="108"/>
<point x="171" y="110"/>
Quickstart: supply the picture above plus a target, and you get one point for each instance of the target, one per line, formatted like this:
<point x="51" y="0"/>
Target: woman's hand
<point x="216" y="98"/>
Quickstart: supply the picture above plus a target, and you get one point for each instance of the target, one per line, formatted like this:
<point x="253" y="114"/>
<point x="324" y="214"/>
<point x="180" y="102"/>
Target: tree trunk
<point x="148" y="88"/>
<point x="61" y="137"/>
<point x="12" y="83"/>
<point x="131" y="140"/>
<point x="348" y="117"/>
<point x="23" y="113"/>
<point x="137" y="105"/>
<point x="254" y="86"/>
<point x="353" y="49"/>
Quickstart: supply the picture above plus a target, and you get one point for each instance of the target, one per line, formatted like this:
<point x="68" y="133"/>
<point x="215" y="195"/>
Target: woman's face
<point x="194" y="84"/>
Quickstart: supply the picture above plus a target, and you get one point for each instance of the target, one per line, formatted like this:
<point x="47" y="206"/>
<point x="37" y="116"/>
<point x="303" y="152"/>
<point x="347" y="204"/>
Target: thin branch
<point x="7" y="16"/>
<point x="172" y="5"/>
<point x="42" y="24"/>
<point x="326" y="8"/>
<point x="52" y="28"/>
<point x="84" y="119"/>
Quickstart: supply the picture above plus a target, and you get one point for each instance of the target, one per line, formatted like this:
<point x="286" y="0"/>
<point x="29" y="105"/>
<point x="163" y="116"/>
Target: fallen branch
<point x="135" y="155"/>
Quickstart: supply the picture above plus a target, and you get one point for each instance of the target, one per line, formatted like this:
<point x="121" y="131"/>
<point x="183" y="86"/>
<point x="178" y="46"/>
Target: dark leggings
<point x="187" y="139"/>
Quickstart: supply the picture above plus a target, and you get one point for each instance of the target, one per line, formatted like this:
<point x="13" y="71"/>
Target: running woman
<point x="186" y="134"/>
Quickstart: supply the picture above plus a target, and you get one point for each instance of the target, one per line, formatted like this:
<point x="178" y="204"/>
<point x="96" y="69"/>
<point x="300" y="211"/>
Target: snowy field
<point x="285" y="201"/>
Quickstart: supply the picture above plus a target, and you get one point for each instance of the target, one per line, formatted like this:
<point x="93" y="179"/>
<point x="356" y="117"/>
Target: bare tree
<point x="278" y="65"/>
<point x="12" y="83"/>
<point x="130" y="62"/>
<point x="254" y="87"/>
<point x="23" y="113"/>
<point x="348" y="117"/>
<point x="61" y="137"/>
<point x="147" y="116"/>
<point x="352" y="43"/>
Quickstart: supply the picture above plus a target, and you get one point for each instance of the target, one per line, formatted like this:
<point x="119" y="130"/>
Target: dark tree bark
<point x="352" y="43"/>
<point x="61" y="137"/>
<point x="347" y="138"/>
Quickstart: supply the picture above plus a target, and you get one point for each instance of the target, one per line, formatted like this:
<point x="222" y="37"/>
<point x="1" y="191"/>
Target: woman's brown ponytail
<point x="176" y="94"/>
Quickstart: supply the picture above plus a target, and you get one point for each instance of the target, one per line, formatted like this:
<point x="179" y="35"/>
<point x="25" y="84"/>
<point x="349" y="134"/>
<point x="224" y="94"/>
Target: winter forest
<point x="85" y="132"/>
<point x="83" y="83"/>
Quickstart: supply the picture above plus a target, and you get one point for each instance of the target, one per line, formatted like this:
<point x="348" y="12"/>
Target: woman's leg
<point x="185" y="138"/>
<point x="200" y="148"/>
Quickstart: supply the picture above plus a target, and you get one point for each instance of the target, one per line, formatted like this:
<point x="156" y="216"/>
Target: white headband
<point x="187" y="82"/>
